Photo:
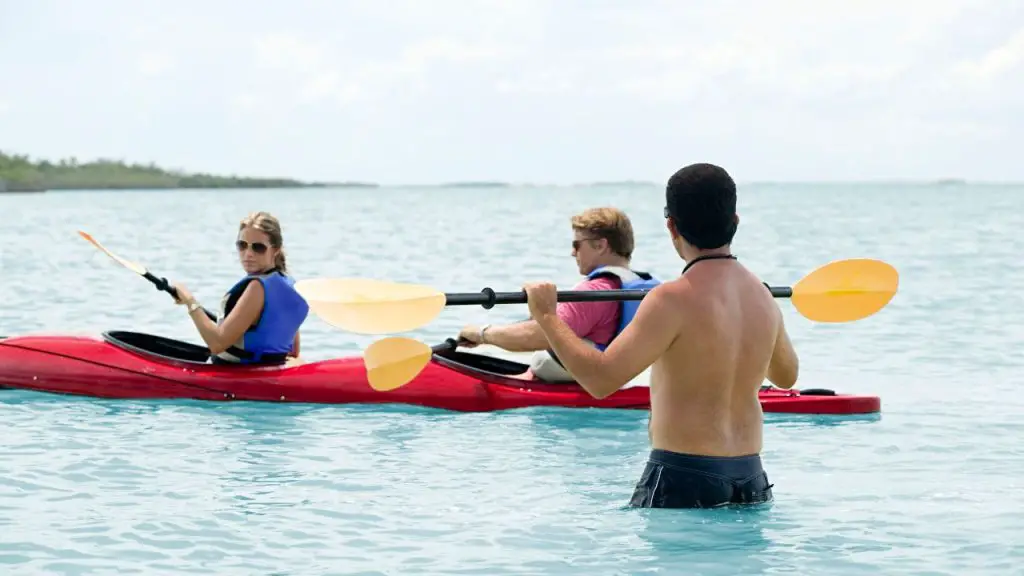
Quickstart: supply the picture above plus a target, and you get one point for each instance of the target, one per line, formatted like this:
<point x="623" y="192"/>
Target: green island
<point x="19" y="173"/>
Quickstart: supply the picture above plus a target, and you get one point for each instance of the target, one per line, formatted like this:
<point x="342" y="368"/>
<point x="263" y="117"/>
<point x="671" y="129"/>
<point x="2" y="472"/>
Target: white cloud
<point x="288" y="52"/>
<point x="447" y="87"/>
<point x="437" y="49"/>
<point x="319" y="86"/>
<point x="319" y="71"/>
<point x="796" y="48"/>
<point x="536" y="83"/>
<point x="997" y="63"/>
<point x="248" y="103"/>
<point x="154" y="63"/>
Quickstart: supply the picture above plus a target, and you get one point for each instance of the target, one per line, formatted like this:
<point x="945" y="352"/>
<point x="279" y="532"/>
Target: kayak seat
<point x="152" y="345"/>
<point x="482" y="362"/>
<point x="804" y="392"/>
<point x="817" y="392"/>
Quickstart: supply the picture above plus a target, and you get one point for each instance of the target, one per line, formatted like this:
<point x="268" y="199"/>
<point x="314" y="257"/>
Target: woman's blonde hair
<point x="269" y="225"/>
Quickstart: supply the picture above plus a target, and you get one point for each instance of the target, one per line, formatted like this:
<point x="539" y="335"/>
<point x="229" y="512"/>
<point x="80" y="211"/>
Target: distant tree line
<point x="20" y="173"/>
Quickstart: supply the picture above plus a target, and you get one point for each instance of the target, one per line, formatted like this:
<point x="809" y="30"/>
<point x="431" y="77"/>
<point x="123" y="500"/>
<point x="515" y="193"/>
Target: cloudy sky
<point x="559" y="91"/>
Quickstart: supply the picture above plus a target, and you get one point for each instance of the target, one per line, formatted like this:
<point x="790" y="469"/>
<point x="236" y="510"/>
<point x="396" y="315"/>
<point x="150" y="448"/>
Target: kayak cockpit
<point x="470" y="362"/>
<point x="158" y="346"/>
<point x="476" y="365"/>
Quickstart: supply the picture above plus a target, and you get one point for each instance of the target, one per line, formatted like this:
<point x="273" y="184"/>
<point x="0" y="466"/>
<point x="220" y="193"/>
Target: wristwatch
<point x="193" y="306"/>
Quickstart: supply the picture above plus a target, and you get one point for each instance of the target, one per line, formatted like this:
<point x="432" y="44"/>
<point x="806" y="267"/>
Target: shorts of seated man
<point x="546" y="368"/>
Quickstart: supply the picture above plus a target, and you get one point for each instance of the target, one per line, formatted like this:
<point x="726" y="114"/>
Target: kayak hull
<point x="133" y="365"/>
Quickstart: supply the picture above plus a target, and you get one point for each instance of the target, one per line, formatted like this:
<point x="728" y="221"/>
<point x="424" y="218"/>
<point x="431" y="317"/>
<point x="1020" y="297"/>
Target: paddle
<point x="395" y="361"/>
<point x="841" y="291"/>
<point x="160" y="283"/>
<point x="366" y="306"/>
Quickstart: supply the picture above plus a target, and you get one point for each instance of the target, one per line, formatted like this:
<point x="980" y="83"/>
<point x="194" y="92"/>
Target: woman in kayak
<point x="261" y="314"/>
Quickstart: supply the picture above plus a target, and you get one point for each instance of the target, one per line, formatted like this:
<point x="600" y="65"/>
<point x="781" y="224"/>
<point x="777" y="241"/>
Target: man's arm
<point x="523" y="336"/>
<point x="651" y="332"/>
<point x="219" y="337"/>
<point x="785" y="366"/>
<point x="526" y="336"/>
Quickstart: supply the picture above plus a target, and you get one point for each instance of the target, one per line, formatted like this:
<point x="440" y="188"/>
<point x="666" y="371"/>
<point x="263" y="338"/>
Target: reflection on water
<point x="160" y="487"/>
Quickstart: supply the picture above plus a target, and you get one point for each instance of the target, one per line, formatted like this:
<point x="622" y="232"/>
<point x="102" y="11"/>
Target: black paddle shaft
<point x="164" y="285"/>
<point x="488" y="298"/>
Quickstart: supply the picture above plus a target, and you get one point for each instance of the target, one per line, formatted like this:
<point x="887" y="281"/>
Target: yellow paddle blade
<point x="845" y="290"/>
<point x="137" y="268"/>
<point x="393" y="362"/>
<point x="367" y="306"/>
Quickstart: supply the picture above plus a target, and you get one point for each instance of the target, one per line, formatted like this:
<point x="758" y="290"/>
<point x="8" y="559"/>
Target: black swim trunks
<point x="674" y="480"/>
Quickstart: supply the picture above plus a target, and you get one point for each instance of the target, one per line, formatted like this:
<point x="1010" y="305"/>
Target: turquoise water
<point x="102" y="487"/>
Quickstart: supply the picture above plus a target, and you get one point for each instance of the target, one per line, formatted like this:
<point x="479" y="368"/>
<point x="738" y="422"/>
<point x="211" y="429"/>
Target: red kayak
<point x="143" y="366"/>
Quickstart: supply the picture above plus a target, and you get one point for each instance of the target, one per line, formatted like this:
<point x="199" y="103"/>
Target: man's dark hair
<point x="701" y="200"/>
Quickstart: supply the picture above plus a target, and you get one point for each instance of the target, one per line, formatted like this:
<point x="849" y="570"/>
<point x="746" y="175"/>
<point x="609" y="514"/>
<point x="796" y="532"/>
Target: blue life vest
<point x="271" y="337"/>
<point x="630" y="280"/>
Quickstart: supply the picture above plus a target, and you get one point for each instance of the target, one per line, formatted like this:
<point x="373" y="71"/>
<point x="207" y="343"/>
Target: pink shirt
<point x="595" y="321"/>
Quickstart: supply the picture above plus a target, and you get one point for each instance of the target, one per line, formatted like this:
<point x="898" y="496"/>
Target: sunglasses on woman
<point x="257" y="247"/>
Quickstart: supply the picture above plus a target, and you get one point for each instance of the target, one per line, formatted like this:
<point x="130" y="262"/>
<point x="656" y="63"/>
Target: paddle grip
<point x="161" y="284"/>
<point x="164" y="285"/>
<point x="449" y="345"/>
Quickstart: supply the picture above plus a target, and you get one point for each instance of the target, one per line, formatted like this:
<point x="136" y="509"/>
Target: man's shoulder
<point x="677" y="284"/>
<point x="677" y="290"/>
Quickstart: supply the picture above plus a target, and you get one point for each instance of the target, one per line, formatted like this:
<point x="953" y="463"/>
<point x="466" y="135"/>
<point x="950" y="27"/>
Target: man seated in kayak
<point x="712" y="337"/>
<point x="261" y="314"/>
<point x="603" y="247"/>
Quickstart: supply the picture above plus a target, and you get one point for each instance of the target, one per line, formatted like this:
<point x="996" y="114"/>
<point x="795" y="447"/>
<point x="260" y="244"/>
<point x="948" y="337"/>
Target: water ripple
<point x="932" y="486"/>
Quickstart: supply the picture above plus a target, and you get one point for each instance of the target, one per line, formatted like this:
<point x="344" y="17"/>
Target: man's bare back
<point x="710" y="337"/>
<point x="704" y="387"/>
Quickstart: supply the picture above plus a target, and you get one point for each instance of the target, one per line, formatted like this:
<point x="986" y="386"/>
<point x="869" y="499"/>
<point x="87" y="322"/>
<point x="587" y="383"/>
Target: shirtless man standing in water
<point x="713" y="336"/>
